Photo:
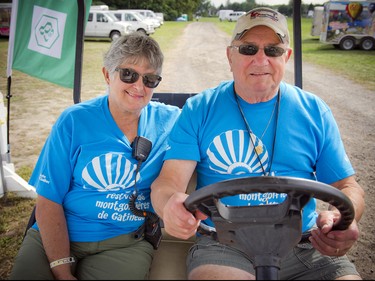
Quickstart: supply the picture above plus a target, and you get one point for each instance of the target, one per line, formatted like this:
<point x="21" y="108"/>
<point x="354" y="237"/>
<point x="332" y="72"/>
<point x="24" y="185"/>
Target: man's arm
<point x="339" y="242"/>
<point x="350" y="187"/>
<point x="168" y="193"/>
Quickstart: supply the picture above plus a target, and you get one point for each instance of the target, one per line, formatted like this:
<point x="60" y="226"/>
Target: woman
<point x="89" y="169"/>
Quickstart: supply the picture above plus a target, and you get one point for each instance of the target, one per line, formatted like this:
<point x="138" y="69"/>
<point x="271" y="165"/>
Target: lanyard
<point x="250" y="131"/>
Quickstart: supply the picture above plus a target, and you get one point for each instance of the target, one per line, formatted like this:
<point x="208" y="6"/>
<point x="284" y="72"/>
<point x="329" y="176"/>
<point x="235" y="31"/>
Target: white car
<point x="135" y="19"/>
<point x="160" y="17"/>
<point x="150" y="15"/>
<point x="103" y="24"/>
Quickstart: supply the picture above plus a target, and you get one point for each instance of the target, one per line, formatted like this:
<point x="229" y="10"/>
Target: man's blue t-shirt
<point x="296" y="137"/>
<point x="87" y="166"/>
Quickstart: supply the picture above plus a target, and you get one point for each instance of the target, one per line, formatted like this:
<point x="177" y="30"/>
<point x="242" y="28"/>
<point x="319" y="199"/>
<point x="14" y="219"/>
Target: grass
<point x="15" y="212"/>
<point x="356" y="65"/>
<point x="168" y="34"/>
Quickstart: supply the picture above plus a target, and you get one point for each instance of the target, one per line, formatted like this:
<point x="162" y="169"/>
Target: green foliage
<point x="171" y="9"/>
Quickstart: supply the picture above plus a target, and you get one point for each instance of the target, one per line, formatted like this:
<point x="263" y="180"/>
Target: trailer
<point x="317" y="19"/>
<point x="349" y="24"/>
<point x="224" y="14"/>
<point x="5" y="11"/>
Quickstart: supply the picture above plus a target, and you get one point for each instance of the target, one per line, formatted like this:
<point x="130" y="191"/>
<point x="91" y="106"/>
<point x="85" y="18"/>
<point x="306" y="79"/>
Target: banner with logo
<point x="42" y="40"/>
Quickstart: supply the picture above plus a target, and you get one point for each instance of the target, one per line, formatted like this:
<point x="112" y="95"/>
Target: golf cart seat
<point x="169" y="261"/>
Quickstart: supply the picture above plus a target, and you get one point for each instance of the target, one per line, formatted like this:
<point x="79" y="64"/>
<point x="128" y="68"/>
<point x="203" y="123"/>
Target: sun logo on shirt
<point x="232" y="152"/>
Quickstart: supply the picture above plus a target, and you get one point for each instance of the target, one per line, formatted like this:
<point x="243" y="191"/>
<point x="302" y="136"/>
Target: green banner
<point x="45" y="39"/>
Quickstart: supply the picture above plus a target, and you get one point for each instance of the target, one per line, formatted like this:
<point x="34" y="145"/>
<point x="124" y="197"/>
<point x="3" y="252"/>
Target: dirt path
<point x="198" y="61"/>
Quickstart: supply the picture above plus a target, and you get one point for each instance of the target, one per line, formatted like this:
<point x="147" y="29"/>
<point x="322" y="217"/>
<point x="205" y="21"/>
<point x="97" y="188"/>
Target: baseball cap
<point x="262" y="16"/>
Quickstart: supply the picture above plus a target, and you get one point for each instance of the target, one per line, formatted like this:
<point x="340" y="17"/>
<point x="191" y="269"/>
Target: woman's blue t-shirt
<point x="86" y="165"/>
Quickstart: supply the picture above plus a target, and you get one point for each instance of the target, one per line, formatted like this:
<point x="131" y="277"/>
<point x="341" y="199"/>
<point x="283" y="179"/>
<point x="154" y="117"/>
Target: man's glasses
<point x="251" y="50"/>
<point x="128" y="75"/>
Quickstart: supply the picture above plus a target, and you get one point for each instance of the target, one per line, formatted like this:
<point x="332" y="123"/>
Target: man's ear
<point x="288" y="54"/>
<point x="229" y="57"/>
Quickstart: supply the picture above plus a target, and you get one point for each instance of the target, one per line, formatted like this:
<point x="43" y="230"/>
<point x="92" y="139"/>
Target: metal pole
<point x="79" y="51"/>
<point x="297" y="43"/>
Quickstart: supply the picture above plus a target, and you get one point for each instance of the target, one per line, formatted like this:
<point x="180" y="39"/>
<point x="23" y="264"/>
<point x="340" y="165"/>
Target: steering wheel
<point x="265" y="233"/>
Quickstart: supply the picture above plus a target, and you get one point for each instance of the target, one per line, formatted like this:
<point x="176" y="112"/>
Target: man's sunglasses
<point x="128" y="75"/>
<point x="251" y="50"/>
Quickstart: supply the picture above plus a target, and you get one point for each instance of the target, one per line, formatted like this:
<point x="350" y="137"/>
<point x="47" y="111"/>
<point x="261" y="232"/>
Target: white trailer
<point x="348" y="24"/>
<point x="5" y="12"/>
<point x="224" y="14"/>
<point x="317" y="20"/>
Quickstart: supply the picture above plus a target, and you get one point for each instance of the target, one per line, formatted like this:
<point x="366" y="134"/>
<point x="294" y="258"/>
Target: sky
<point x="217" y="3"/>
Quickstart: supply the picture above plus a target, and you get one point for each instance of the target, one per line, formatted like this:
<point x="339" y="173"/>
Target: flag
<point x="42" y="40"/>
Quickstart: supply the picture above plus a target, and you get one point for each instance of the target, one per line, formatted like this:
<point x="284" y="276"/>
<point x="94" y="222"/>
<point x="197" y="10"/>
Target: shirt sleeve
<point x="333" y="163"/>
<point x="52" y="174"/>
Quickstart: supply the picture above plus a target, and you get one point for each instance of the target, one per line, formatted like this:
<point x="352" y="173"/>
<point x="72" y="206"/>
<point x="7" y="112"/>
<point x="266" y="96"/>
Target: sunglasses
<point x="251" y="50"/>
<point x="128" y="75"/>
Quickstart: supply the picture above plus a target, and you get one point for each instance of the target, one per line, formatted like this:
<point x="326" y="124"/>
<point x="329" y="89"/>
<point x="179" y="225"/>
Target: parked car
<point x="135" y="19"/>
<point x="160" y="17"/>
<point x="183" y="17"/>
<point x="148" y="14"/>
<point x="235" y="15"/>
<point x="103" y="24"/>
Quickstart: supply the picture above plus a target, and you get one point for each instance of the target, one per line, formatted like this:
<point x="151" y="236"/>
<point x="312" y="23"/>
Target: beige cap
<point x="262" y="16"/>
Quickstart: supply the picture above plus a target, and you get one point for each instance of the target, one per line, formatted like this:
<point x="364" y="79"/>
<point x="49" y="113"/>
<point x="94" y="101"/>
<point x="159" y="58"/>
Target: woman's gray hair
<point x="134" y="48"/>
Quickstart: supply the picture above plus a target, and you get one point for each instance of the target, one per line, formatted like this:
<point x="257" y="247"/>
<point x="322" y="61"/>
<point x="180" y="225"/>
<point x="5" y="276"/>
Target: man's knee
<point x="219" y="272"/>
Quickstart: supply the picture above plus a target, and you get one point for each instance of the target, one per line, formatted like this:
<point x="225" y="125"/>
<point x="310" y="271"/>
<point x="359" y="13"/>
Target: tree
<point x="170" y="8"/>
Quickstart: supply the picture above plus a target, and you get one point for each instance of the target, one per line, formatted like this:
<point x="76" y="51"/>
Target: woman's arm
<point x="54" y="232"/>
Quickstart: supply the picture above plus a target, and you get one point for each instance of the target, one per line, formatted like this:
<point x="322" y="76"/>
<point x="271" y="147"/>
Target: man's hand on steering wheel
<point x="178" y="221"/>
<point x="333" y="242"/>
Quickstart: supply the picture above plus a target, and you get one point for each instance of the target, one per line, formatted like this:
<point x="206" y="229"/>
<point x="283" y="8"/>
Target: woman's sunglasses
<point x="128" y="75"/>
<point x="251" y="50"/>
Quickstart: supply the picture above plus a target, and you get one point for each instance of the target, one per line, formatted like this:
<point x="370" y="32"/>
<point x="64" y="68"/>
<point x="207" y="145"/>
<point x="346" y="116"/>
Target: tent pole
<point x="79" y="51"/>
<point x="297" y="43"/>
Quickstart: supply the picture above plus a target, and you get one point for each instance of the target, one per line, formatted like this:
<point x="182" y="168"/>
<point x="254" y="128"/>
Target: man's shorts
<point x="302" y="262"/>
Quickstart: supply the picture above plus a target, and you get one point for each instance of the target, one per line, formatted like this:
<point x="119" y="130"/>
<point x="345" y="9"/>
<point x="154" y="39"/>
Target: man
<point x="257" y="125"/>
